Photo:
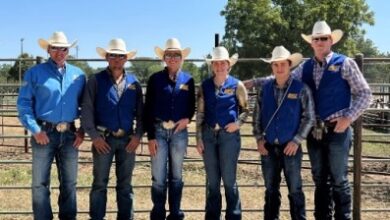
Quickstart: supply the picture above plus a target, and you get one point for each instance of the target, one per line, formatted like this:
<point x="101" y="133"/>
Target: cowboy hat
<point x="280" y="53"/>
<point x="116" y="46"/>
<point x="58" y="39"/>
<point x="172" y="44"/>
<point x="321" y="28"/>
<point x="220" y="53"/>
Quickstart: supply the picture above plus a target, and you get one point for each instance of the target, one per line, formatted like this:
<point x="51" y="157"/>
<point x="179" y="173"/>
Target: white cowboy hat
<point x="116" y="46"/>
<point x="220" y="53"/>
<point x="280" y="53"/>
<point x="321" y="28"/>
<point x="172" y="44"/>
<point x="58" y="39"/>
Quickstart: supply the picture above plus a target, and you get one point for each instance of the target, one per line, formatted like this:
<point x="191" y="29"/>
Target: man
<point x="283" y="116"/>
<point x="48" y="104"/>
<point x="112" y="101"/>
<point x="340" y="94"/>
<point x="169" y="107"/>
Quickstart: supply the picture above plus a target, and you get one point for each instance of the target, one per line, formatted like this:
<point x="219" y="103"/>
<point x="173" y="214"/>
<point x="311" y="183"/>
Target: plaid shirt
<point x="361" y="93"/>
<point x="307" y="116"/>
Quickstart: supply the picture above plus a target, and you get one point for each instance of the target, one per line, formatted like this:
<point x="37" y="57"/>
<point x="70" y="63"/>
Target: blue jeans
<point x="272" y="165"/>
<point x="167" y="166"/>
<point x="329" y="162"/>
<point x="124" y="165"/>
<point x="221" y="152"/>
<point x="61" y="148"/>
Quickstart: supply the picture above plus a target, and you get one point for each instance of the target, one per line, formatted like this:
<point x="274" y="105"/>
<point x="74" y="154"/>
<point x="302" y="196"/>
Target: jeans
<point x="124" y="165"/>
<point x="272" y="165"/>
<point x="221" y="152"/>
<point x="167" y="167"/>
<point x="61" y="148"/>
<point x="329" y="162"/>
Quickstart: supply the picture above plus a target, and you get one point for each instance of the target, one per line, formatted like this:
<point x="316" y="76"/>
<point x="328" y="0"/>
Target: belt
<point x="106" y="132"/>
<point x="60" y="127"/>
<point x="216" y="128"/>
<point x="330" y="124"/>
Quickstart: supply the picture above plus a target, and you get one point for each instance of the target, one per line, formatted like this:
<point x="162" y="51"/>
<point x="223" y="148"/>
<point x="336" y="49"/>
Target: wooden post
<point x="357" y="156"/>
<point x="216" y="40"/>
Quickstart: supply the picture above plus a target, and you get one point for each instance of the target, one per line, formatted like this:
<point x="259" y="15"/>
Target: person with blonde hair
<point x="222" y="109"/>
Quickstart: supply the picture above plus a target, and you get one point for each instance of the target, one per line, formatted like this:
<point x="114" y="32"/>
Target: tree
<point x="88" y="70"/>
<point x="13" y="73"/>
<point x="143" y="69"/>
<point x="254" y="27"/>
<point x="4" y="70"/>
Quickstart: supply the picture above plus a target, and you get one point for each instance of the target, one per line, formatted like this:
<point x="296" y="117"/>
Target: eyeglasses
<point x="113" y="56"/>
<point x="172" y="56"/>
<point x="320" y="39"/>
<point x="63" y="49"/>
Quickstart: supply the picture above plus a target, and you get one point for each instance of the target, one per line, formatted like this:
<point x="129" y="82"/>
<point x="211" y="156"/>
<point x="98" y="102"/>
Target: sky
<point x="142" y="24"/>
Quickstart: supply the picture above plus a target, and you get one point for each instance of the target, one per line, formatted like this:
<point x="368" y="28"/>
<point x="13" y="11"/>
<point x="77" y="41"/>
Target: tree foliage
<point x="254" y="27"/>
<point x="17" y="71"/>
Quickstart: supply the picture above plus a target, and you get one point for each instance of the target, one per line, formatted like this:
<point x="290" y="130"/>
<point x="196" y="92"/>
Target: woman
<point x="222" y="108"/>
<point x="169" y="107"/>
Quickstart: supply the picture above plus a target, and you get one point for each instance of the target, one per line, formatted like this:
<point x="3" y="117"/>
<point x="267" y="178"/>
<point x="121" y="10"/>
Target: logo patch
<point x="292" y="96"/>
<point x="131" y="87"/>
<point x="183" y="87"/>
<point x="229" y="91"/>
<point x="334" y="68"/>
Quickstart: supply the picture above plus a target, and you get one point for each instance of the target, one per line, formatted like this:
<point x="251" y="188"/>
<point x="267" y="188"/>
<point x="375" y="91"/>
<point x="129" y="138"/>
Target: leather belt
<point x="60" y="127"/>
<point x="106" y="132"/>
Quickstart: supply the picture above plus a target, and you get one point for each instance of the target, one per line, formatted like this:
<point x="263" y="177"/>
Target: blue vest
<point x="172" y="101"/>
<point x="221" y="108"/>
<point x="333" y="93"/>
<point x="284" y="126"/>
<point x="111" y="111"/>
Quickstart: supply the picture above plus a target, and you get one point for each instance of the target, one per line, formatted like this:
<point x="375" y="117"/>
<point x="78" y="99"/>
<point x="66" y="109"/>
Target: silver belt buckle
<point x="119" y="133"/>
<point x="276" y="141"/>
<point x="62" y="127"/>
<point x="217" y="127"/>
<point x="168" y="124"/>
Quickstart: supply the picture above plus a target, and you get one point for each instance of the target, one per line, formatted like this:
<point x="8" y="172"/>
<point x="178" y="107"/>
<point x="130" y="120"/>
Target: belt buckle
<point x="168" y="124"/>
<point x="217" y="127"/>
<point x="119" y="133"/>
<point x="62" y="127"/>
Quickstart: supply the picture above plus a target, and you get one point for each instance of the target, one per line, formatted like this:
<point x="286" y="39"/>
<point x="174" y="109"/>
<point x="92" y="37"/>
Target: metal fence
<point x="8" y="95"/>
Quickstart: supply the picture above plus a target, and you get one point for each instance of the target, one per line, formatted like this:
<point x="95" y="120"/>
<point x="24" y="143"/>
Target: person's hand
<point x="342" y="123"/>
<point x="290" y="149"/>
<point x="200" y="147"/>
<point x="133" y="144"/>
<point x="261" y="148"/>
<point x="79" y="138"/>
<point x="248" y="83"/>
<point x="152" y="144"/>
<point x="41" y="138"/>
<point x="101" y="145"/>
<point x="232" y="127"/>
<point x="181" y="124"/>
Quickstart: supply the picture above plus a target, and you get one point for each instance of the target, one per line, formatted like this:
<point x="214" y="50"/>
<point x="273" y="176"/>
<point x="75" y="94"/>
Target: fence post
<point x="216" y="40"/>
<point x="357" y="156"/>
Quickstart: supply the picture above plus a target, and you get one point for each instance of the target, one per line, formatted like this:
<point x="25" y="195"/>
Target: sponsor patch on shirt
<point x="131" y="87"/>
<point x="292" y="96"/>
<point x="183" y="87"/>
<point x="229" y="91"/>
<point x="334" y="68"/>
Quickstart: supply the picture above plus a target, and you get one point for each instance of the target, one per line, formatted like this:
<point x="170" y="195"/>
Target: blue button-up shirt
<point x="49" y="95"/>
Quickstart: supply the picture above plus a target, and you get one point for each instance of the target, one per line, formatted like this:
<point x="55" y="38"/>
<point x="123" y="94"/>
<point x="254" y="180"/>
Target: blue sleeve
<point x="25" y="104"/>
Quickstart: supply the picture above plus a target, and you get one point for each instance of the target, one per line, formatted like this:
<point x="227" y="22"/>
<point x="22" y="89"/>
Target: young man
<point x="48" y="104"/>
<point x="283" y="116"/>
<point x="341" y="94"/>
<point x="112" y="102"/>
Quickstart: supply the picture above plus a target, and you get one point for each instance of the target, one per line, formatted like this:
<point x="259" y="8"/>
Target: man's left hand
<point x="181" y="124"/>
<point x="342" y="123"/>
<point x="290" y="149"/>
<point x="232" y="127"/>
<point x="133" y="144"/>
<point x="79" y="138"/>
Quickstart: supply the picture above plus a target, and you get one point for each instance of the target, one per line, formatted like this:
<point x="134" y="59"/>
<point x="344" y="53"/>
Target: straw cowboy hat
<point x="321" y="28"/>
<point x="220" y="53"/>
<point x="58" y="39"/>
<point x="280" y="53"/>
<point x="116" y="46"/>
<point x="172" y="44"/>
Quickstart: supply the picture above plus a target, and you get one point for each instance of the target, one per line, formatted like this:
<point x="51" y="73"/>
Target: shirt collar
<point x="327" y="57"/>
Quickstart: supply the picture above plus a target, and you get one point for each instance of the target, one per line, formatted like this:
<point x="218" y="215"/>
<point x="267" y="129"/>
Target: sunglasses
<point x="172" y="56"/>
<point x="63" y="49"/>
<point x="113" y="56"/>
<point x="320" y="38"/>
